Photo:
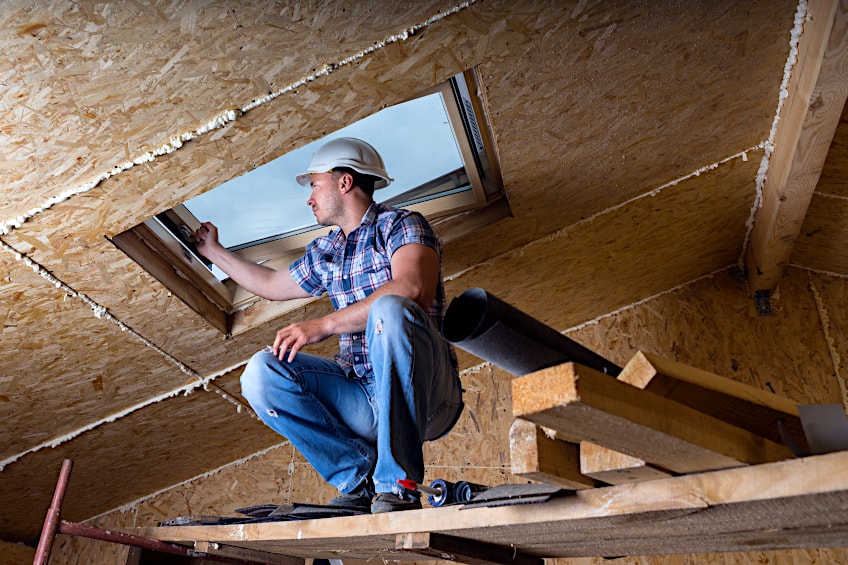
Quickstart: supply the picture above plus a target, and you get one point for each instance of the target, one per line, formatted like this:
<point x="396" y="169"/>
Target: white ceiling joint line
<point x="224" y="118"/>
<point x="101" y="312"/>
<point x="184" y="390"/>
<point x="831" y="196"/>
<point x="819" y="271"/>
<point x="133" y="506"/>
<point x="595" y="321"/>
<point x="827" y="329"/>
<point x="801" y="16"/>
<point x="330" y="67"/>
<point x="644" y="301"/>
<point x="653" y="192"/>
<point x="173" y="144"/>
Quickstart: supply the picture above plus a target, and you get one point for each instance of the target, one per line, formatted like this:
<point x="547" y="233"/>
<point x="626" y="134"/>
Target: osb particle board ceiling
<point x="631" y="138"/>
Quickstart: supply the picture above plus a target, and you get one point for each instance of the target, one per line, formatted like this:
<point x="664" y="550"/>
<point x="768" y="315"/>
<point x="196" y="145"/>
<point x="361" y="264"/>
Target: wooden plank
<point x="799" y="503"/>
<point x="451" y="548"/>
<point x="585" y="405"/>
<point x="616" y="468"/>
<point x="537" y="457"/>
<point x="738" y="404"/>
<point x="817" y="92"/>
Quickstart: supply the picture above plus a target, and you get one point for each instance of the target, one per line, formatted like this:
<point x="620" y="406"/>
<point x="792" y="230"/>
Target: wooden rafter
<point x="817" y="92"/>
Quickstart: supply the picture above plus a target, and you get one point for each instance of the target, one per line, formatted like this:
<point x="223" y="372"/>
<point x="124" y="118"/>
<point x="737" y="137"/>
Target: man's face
<point x="326" y="199"/>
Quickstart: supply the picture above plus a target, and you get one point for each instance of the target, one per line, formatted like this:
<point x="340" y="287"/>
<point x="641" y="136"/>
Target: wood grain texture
<point x="816" y="94"/>
<point x="804" y="506"/>
<point x="591" y="104"/>
<point x="615" y="468"/>
<point x="584" y="405"/>
<point x="707" y="324"/>
<point x="743" y="406"/>
<point x="537" y="457"/>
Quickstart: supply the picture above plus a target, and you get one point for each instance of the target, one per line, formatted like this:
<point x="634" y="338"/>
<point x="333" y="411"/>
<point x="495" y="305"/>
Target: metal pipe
<point x="491" y="329"/>
<point x="51" y="521"/>
<point x="92" y="532"/>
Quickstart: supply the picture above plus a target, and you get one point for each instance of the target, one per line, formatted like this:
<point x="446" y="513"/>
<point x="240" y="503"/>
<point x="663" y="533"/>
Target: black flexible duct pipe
<point x="491" y="329"/>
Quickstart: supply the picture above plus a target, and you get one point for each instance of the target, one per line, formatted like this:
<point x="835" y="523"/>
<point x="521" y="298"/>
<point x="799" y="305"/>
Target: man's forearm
<point x="257" y="279"/>
<point x="354" y="318"/>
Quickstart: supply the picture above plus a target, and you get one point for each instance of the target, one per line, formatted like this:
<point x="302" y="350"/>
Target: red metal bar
<point x="101" y="534"/>
<point x="53" y="524"/>
<point x="51" y="521"/>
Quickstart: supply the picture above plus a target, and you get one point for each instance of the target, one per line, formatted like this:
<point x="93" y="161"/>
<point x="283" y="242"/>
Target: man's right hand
<point x="257" y="279"/>
<point x="206" y="239"/>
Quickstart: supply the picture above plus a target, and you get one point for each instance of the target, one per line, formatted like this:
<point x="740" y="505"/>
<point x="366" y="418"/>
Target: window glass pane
<point x="415" y="139"/>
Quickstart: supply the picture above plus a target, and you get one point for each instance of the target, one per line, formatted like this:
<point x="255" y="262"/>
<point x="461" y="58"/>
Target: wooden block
<point x="585" y="405"/>
<point x="537" y="457"/>
<point x="614" y="467"/>
<point x="451" y="548"/>
<point x="741" y="405"/>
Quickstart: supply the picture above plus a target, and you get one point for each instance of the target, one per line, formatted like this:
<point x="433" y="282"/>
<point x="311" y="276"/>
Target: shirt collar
<point x="369" y="219"/>
<point x="371" y="214"/>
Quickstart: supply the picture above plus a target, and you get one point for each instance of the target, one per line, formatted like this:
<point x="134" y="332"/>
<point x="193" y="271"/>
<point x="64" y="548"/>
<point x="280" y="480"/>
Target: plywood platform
<point x="798" y="503"/>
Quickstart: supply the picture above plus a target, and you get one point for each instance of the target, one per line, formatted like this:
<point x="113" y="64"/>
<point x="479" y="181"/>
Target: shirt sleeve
<point x="411" y="227"/>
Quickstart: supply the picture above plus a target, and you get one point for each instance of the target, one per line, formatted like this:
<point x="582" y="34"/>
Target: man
<point x="360" y="420"/>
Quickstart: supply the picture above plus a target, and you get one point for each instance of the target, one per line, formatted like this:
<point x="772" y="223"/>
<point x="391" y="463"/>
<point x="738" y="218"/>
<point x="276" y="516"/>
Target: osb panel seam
<point x="101" y="312"/>
<point x="133" y="506"/>
<point x="225" y="119"/>
<point x="216" y="126"/>
<point x="830" y="341"/>
<point x="589" y="219"/>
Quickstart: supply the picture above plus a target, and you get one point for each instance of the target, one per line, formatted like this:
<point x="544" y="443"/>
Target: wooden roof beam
<point x="816" y="96"/>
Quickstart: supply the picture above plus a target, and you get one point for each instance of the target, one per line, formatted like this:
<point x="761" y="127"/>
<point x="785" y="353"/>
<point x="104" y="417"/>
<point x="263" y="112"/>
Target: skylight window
<point x="433" y="146"/>
<point x="415" y="139"/>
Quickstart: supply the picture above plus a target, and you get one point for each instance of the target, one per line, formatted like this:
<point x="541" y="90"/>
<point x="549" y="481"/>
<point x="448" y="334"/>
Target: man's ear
<point x="346" y="183"/>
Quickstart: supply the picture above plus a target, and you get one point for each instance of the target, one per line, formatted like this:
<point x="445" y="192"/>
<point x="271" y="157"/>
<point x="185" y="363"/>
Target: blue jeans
<point x="350" y="428"/>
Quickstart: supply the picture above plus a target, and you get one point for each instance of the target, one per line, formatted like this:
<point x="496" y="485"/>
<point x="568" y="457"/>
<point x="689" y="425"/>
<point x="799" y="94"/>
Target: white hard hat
<point x="347" y="152"/>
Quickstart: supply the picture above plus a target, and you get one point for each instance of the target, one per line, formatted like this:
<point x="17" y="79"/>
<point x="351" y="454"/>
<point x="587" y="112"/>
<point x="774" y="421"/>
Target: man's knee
<point x="391" y="308"/>
<point x="256" y="375"/>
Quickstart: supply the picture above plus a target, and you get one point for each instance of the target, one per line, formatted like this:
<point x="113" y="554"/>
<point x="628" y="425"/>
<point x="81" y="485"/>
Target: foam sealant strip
<point x="831" y="196"/>
<point x="645" y="300"/>
<point x="223" y="119"/>
<point x="175" y="143"/>
<point x="819" y="271"/>
<point x="831" y="342"/>
<point x="204" y="382"/>
<point x="133" y="506"/>
<point x="653" y="192"/>
<point x="101" y="312"/>
<point x="801" y="16"/>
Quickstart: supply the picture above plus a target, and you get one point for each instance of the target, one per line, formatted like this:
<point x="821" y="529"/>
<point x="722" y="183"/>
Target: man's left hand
<point x="291" y="338"/>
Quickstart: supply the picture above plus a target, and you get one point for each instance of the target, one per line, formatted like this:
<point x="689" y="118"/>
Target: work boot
<point x="357" y="499"/>
<point x="391" y="502"/>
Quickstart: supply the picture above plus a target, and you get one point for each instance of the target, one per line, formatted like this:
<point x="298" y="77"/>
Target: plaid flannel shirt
<point x="351" y="268"/>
